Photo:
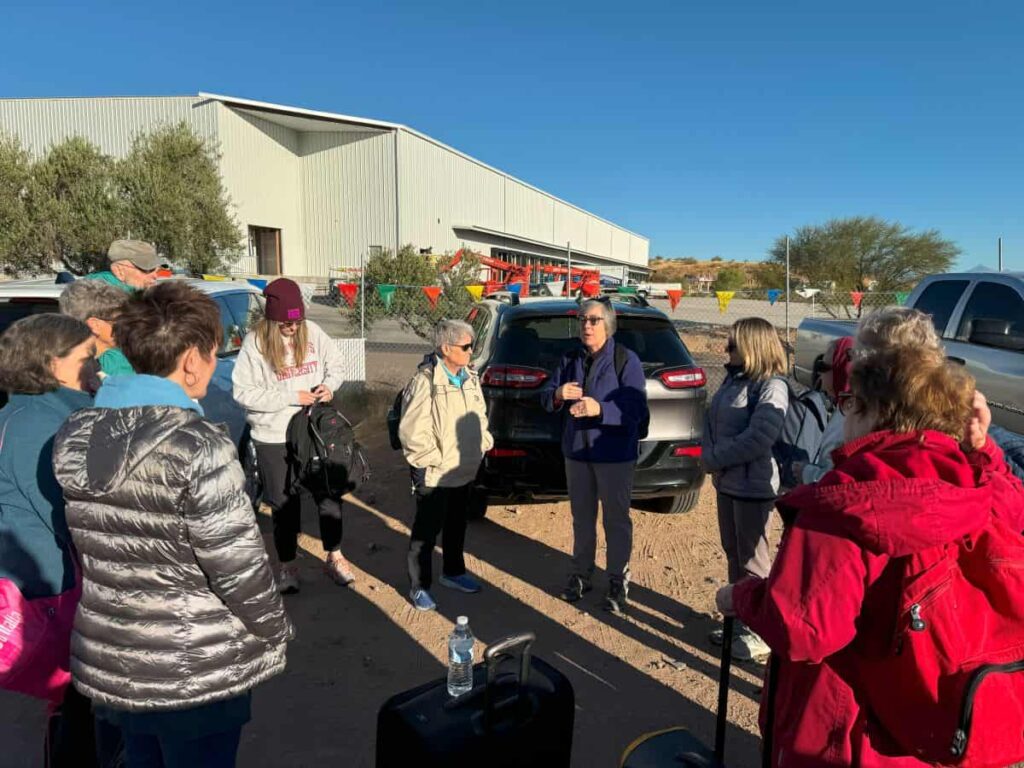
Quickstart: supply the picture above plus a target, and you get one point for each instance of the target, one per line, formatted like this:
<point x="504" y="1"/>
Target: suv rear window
<point x="540" y="341"/>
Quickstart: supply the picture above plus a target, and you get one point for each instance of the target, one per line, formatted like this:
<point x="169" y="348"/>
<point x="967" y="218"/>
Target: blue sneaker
<point x="422" y="601"/>
<point x="464" y="583"/>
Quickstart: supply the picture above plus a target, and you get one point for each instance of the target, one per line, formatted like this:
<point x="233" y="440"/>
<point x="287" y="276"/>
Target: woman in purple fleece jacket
<point x="600" y="443"/>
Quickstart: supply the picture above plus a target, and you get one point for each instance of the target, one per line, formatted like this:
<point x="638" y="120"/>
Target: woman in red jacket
<point x="910" y="483"/>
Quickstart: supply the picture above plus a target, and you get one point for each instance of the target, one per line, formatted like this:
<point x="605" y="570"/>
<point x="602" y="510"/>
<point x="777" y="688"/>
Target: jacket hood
<point x="100" y="448"/>
<point x="896" y="494"/>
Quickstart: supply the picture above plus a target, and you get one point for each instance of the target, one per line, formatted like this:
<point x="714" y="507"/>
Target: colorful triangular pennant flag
<point x="773" y="295"/>
<point x="261" y="284"/>
<point x="556" y="287"/>
<point x="348" y="291"/>
<point x="476" y="291"/>
<point x="387" y="294"/>
<point x="516" y="288"/>
<point x="674" y="295"/>
<point x="857" y="297"/>
<point x="901" y="297"/>
<point x="724" y="297"/>
<point x="628" y="290"/>
<point x="432" y="292"/>
<point x="591" y="288"/>
<point x="215" y="278"/>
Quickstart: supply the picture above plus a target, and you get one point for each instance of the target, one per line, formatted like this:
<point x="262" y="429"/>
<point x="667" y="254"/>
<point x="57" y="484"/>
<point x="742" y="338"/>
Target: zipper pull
<point x="917" y="624"/>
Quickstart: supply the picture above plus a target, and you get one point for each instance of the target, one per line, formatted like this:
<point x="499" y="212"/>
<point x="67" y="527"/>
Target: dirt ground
<point x="355" y="647"/>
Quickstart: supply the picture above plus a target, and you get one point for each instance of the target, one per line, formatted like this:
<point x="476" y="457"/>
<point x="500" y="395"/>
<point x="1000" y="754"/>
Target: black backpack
<point x="323" y="453"/>
<point x="802" y="429"/>
<point x="621" y="358"/>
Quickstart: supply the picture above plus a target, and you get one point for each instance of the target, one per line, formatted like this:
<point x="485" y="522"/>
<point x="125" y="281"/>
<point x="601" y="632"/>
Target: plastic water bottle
<point x="460" y="658"/>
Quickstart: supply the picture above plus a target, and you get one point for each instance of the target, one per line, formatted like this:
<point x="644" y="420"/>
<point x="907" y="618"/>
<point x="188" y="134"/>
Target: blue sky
<point x="711" y="130"/>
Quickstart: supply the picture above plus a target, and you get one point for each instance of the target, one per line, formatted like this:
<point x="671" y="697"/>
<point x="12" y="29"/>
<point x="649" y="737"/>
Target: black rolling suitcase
<point x="508" y="720"/>
<point x="678" y="747"/>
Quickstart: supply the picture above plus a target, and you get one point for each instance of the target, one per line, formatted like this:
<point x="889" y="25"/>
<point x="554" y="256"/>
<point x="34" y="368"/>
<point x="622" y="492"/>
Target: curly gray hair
<point x="83" y="299"/>
<point x="896" y="328"/>
<point x="450" y="332"/>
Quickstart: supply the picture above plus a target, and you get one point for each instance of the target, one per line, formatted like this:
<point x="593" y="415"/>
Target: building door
<point x="266" y="243"/>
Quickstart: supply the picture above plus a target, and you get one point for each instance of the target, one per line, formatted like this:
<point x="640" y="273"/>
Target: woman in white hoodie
<point x="287" y="362"/>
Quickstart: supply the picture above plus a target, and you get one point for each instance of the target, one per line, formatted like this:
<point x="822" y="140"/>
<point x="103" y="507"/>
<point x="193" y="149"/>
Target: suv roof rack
<point x="622" y="298"/>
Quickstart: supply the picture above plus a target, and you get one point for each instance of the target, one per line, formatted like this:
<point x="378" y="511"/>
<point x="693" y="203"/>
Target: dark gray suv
<point x="519" y="344"/>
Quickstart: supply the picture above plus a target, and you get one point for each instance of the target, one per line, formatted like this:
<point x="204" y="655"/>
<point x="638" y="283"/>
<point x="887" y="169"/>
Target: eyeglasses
<point x="591" y="320"/>
<point x="847" y="403"/>
<point x="464" y="347"/>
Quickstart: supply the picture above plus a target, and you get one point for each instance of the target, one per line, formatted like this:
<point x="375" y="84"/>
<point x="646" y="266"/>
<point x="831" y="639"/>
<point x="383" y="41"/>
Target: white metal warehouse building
<point x="316" y="191"/>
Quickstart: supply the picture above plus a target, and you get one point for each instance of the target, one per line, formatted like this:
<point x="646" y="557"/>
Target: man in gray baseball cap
<point x="133" y="265"/>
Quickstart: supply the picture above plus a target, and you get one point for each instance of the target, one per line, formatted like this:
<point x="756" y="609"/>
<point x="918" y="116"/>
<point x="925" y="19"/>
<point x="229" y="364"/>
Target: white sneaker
<point x="287" y="580"/>
<point x="750" y="647"/>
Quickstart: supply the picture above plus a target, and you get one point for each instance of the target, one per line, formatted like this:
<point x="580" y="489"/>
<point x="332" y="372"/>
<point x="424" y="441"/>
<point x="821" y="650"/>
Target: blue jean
<point x="216" y="750"/>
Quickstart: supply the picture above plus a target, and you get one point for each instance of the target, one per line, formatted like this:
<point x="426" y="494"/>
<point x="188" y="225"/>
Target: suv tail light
<point x="506" y="453"/>
<point x="513" y="377"/>
<point x="687" y="450"/>
<point x="683" y="378"/>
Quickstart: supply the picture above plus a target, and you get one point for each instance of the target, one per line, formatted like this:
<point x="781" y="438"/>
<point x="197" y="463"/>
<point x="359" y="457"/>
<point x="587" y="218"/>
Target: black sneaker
<point x="576" y="588"/>
<point x="617" y="599"/>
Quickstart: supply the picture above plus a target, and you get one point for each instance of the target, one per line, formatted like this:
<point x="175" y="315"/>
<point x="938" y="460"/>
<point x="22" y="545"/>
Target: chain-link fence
<point x="389" y="325"/>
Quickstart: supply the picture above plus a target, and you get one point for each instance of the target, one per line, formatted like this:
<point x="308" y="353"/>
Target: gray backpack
<point x="802" y="430"/>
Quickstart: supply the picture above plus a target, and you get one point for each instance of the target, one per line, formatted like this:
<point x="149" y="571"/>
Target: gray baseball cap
<point x="140" y="253"/>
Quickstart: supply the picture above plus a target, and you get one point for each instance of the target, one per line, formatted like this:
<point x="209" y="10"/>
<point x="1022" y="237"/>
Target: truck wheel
<point x="673" y="505"/>
<point x="642" y="294"/>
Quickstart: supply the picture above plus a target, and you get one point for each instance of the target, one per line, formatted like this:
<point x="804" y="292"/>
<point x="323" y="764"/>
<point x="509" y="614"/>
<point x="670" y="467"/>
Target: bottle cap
<point x="462" y="621"/>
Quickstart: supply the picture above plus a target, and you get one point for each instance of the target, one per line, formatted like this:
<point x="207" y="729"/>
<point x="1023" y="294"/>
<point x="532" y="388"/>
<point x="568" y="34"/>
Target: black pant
<point x="73" y="736"/>
<point x="288" y="507"/>
<point x="438" y="509"/>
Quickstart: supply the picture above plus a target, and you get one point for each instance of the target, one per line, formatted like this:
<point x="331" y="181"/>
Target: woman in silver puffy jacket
<point x="179" y="617"/>
<point x="742" y="423"/>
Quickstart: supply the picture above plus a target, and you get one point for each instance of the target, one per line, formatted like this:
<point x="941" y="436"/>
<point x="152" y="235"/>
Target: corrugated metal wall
<point x="440" y="189"/>
<point x="348" y="180"/>
<point x="110" y="123"/>
<point x="261" y="169"/>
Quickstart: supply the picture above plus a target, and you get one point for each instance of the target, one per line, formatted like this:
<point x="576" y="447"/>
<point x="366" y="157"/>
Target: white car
<point x="237" y="301"/>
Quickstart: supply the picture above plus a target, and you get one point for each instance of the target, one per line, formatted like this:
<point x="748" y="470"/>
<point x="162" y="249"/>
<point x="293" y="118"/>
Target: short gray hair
<point x="450" y="331"/>
<point x="83" y="299"/>
<point x="897" y="328"/>
<point x="610" y="324"/>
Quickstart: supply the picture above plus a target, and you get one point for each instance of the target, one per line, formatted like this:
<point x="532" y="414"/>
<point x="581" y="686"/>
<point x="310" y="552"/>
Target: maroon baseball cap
<point x="284" y="301"/>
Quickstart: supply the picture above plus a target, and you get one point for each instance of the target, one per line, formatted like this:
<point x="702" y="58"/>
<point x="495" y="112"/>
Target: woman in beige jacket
<point x="444" y="437"/>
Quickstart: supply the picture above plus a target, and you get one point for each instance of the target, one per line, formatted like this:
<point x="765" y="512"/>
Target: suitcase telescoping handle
<point x="508" y="648"/>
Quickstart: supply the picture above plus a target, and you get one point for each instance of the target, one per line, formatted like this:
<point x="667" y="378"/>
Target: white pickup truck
<point x="980" y="317"/>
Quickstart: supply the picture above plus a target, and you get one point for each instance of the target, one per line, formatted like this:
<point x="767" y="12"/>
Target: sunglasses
<point x="591" y="320"/>
<point x="464" y="347"/>
<point x="730" y="346"/>
<point x="290" y="323"/>
<point x="847" y="403"/>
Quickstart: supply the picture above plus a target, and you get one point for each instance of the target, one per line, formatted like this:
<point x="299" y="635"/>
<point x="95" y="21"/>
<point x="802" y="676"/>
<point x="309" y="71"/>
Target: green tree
<point x="175" y="198"/>
<point x="74" y="209"/>
<point x="770" y="274"/>
<point x="850" y="253"/>
<point x="15" y="221"/>
<point x="716" y="258"/>
<point x="689" y="260"/>
<point x="409" y="272"/>
<point x="730" y="279"/>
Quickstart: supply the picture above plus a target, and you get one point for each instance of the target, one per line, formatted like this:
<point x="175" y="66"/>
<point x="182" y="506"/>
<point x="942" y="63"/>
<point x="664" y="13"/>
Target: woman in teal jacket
<point x="47" y="365"/>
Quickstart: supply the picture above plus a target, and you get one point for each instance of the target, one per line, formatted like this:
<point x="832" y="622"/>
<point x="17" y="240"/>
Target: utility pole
<point x="1000" y="254"/>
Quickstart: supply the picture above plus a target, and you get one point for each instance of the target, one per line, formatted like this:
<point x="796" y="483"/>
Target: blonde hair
<point x="270" y="343"/>
<point x="757" y="342"/>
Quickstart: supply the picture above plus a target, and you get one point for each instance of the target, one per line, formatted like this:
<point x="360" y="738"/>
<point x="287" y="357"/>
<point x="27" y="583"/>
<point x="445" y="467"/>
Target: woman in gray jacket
<point x="743" y="422"/>
<point x="179" y="617"/>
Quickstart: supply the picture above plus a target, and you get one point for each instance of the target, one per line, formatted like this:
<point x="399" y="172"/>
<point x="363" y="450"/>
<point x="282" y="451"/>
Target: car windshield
<point x="19" y="308"/>
<point x="540" y="341"/>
